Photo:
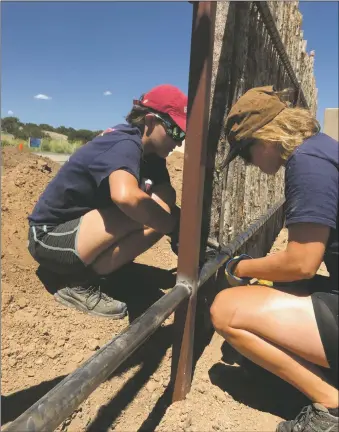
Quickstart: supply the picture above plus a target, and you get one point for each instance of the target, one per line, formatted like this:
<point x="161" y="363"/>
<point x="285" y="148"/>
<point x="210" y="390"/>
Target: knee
<point x="222" y="310"/>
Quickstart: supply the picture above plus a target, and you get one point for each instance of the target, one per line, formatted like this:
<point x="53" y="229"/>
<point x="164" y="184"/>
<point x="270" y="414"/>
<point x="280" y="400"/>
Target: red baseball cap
<point x="167" y="99"/>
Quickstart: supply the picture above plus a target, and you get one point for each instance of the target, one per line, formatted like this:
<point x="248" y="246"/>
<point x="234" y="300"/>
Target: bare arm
<point x="136" y="204"/>
<point x="301" y="259"/>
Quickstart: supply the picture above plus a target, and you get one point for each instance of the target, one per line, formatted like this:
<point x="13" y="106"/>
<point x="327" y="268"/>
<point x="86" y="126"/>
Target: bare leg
<point x="125" y="251"/>
<point x="109" y="230"/>
<point x="107" y="239"/>
<point x="277" y="331"/>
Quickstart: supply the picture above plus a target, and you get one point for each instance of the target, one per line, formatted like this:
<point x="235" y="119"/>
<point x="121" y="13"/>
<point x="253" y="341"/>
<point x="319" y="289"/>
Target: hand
<point x="230" y="270"/>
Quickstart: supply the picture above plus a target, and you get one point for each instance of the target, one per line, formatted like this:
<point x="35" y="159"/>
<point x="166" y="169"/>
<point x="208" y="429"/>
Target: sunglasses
<point x="171" y="129"/>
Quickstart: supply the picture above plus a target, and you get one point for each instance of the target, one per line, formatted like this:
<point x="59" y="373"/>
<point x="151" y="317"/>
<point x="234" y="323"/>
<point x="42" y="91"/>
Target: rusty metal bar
<point x="56" y="405"/>
<point x="200" y="76"/>
<point x="228" y="251"/>
<point x="268" y="19"/>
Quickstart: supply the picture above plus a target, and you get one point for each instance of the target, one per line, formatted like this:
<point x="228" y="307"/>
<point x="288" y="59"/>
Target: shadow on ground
<point x="150" y="355"/>
<point x="14" y="404"/>
<point x="253" y="386"/>
<point x="138" y="285"/>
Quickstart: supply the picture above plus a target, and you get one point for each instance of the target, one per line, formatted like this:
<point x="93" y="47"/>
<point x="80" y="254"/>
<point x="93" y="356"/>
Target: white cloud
<point x="107" y="93"/>
<point x="10" y="113"/>
<point x="42" y="96"/>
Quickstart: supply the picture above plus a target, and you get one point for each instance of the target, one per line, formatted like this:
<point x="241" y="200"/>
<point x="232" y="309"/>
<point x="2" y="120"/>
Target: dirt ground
<point x="42" y="341"/>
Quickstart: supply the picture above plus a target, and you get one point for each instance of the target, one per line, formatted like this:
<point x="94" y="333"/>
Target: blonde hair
<point x="289" y="129"/>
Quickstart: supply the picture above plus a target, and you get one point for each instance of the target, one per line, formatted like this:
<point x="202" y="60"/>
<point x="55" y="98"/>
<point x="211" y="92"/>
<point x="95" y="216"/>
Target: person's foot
<point x="88" y="298"/>
<point x="312" y="418"/>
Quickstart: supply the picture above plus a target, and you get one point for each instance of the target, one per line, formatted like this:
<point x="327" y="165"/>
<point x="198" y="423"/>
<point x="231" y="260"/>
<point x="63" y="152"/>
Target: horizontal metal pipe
<point x="55" y="406"/>
<point x="227" y="251"/>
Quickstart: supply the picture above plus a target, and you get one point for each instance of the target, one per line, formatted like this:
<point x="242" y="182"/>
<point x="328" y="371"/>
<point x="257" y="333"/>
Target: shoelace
<point x="95" y="290"/>
<point x="304" y="416"/>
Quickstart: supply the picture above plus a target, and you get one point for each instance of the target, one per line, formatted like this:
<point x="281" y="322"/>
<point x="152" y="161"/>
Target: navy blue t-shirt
<point x="311" y="190"/>
<point x="81" y="184"/>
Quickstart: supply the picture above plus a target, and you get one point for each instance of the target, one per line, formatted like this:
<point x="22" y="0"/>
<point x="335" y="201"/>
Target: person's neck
<point x="146" y="144"/>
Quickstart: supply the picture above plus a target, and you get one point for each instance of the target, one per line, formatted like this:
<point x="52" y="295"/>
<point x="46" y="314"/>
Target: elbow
<point x="123" y="199"/>
<point x="306" y="271"/>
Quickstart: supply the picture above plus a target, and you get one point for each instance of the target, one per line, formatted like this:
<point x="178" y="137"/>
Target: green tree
<point x="10" y="125"/>
<point x="62" y="130"/>
<point x="46" y="127"/>
<point x="82" y="135"/>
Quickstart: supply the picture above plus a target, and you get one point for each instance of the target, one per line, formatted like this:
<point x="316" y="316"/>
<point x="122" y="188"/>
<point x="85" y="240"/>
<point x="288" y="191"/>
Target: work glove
<point x="230" y="268"/>
<point x="236" y="281"/>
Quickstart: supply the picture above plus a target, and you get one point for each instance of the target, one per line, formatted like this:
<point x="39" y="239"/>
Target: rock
<point x="151" y="386"/>
<point x="201" y="388"/>
<point x="61" y="342"/>
<point x="154" y="397"/>
<point x="53" y="353"/>
<point x="92" y="344"/>
<point x="7" y="352"/>
<point x="12" y="362"/>
<point x="7" y="299"/>
<point x="219" y="396"/>
<point x="30" y="373"/>
<point x="28" y="348"/>
<point x="187" y="423"/>
<point x="76" y="425"/>
<point x="77" y="358"/>
<point x="34" y="312"/>
<point x="22" y="302"/>
<point x="183" y="417"/>
<point x="39" y="361"/>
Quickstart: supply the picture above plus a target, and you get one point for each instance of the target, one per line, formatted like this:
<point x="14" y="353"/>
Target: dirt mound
<point x="11" y="156"/>
<point x="43" y="341"/>
<point x="24" y="179"/>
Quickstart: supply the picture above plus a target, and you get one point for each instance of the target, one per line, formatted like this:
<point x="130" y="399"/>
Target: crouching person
<point x="111" y="201"/>
<point x="290" y="330"/>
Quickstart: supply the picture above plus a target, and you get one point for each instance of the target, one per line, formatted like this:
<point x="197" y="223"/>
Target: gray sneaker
<point x="312" y="418"/>
<point x="88" y="298"/>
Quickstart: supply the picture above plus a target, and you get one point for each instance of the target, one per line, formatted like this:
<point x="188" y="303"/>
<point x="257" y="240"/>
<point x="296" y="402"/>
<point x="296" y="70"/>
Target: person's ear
<point x="149" y="123"/>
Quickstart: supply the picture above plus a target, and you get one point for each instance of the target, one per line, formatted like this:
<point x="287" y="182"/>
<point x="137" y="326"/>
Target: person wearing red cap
<point x="111" y="201"/>
<point x="289" y="326"/>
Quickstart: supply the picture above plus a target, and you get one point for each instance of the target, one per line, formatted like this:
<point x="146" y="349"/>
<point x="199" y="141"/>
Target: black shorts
<point x="325" y="299"/>
<point x="55" y="247"/>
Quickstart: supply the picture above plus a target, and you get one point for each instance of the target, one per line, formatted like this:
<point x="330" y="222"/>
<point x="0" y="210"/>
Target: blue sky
<point x="73" y="52"/>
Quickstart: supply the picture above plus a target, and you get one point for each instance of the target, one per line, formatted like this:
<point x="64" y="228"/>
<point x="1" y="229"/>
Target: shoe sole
<point x="72" y="303"/>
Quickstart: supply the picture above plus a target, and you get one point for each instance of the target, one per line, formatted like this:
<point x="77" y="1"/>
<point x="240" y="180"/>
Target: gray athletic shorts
<point x="55" y="247"/>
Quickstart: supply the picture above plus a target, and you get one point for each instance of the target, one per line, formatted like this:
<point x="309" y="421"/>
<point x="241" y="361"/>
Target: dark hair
<point x="136" y="117"/>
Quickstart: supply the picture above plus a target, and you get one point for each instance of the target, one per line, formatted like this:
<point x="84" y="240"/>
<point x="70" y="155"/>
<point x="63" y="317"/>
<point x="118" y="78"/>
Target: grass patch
<point x="47" y="145"/>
